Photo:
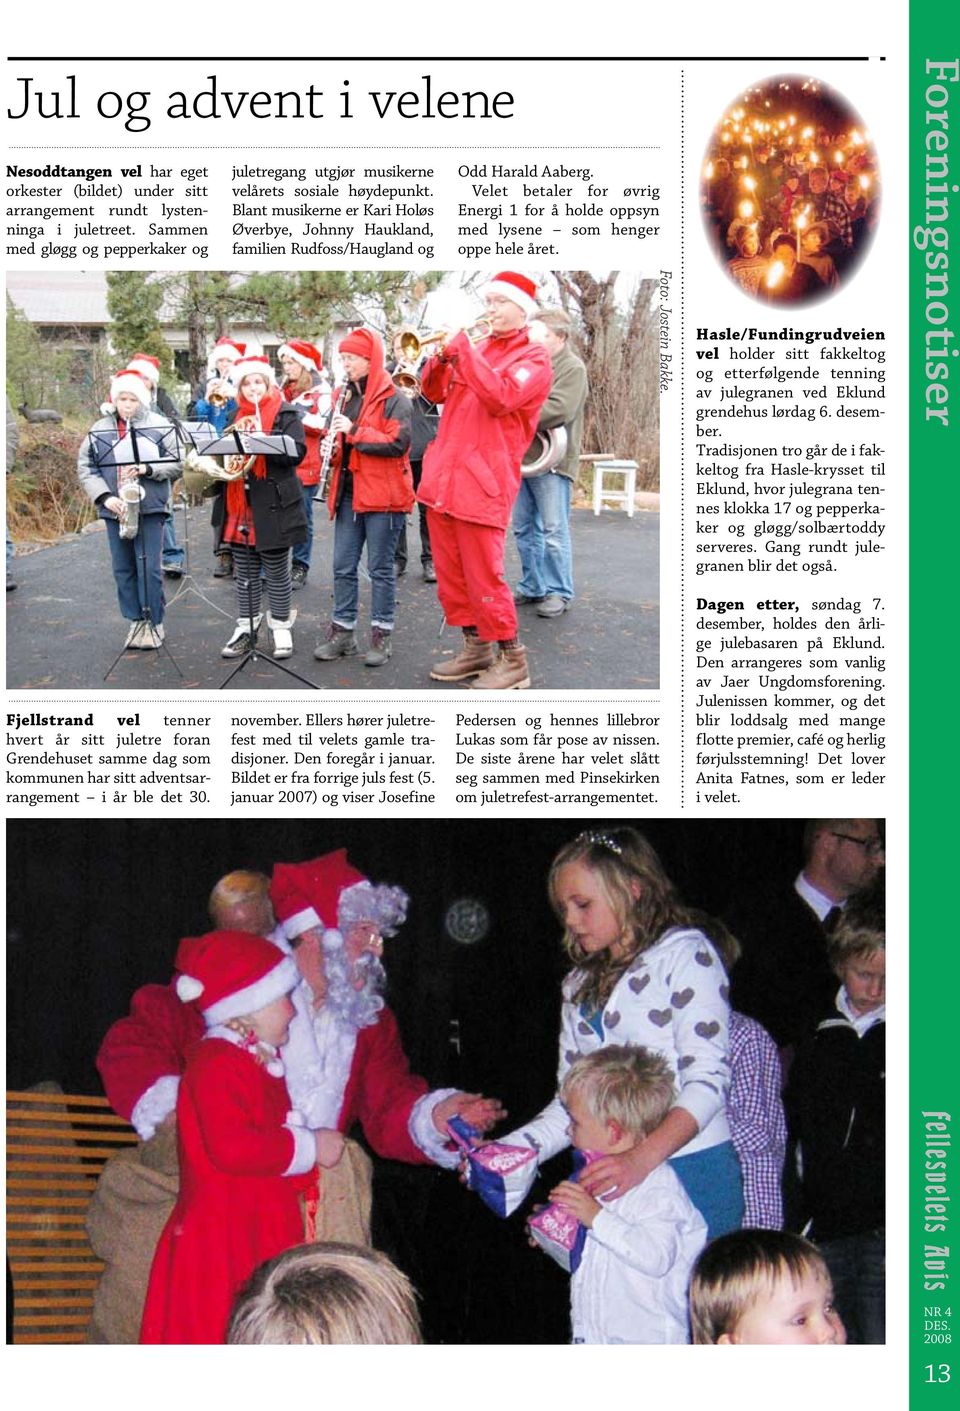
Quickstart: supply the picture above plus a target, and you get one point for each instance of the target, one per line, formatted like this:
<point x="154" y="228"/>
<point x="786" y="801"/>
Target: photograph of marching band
<point x="790" y="190"/>
<point x="304" y="1082"/>
<point x="332" y="480"/>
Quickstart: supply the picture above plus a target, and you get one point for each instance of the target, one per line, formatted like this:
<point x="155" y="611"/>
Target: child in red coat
<point x="243" y="1158"/>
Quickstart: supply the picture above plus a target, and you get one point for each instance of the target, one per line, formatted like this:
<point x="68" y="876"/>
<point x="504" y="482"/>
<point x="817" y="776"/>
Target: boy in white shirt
<point x="631" y="1285"/>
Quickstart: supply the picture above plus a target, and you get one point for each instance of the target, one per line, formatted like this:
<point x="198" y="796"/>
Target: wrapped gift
<point x="500" y="1174"/>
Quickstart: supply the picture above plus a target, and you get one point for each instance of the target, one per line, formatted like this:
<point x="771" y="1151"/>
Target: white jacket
<point x="631" y="1285"/>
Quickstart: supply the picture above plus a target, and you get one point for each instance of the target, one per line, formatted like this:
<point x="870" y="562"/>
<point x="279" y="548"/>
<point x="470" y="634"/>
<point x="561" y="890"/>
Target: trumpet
<point x="411" y="344"/>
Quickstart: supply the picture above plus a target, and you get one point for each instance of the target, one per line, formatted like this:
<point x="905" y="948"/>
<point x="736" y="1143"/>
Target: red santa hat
<point x="227" y="348"/>
<point x="303" y="353"/>
<point x="250" y="364"/>
<point x="147" y="367"/>
<point x="232" y="974"/>
<point x="516" y="287"/>
<point x="127" y="380"/>
<point x="330" y="894"/>
<point x="361" y="342"/>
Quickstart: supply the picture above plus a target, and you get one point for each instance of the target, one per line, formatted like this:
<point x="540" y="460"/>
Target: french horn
<point x="545" y="452"/>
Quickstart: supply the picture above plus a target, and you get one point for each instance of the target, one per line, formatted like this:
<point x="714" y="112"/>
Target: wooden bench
<point x="57" y="1145"/>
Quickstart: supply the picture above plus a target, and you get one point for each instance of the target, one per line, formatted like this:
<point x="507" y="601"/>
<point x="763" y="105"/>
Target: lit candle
<point x="801" y="223"/>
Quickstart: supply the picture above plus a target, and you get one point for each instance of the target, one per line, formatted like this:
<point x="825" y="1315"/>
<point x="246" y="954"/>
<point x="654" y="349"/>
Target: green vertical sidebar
<point x="934" y="1188"/>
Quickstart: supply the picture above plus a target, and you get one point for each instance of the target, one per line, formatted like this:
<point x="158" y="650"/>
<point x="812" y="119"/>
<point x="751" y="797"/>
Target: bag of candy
<point x="500" y="1174"/>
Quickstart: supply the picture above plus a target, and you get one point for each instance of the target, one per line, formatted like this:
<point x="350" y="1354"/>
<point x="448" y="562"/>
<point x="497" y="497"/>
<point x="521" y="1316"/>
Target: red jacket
<point x="236" y="1207"/>
<point x="309" y="405"/>
<point x="493" y="394"/>
<point x="379" y="444"/>
<point x="156" y="1038"/>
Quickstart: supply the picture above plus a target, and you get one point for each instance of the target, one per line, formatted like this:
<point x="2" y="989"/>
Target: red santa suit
<point x="241" y="1171"/>
<point x="492" y="395"/>
<point x="142" y="1057"/>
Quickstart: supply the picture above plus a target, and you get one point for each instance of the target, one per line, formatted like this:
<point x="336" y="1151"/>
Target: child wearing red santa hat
<point x="134" y="522"/>
<point x="371" y="490"/>
<point x="304" y="388"/>
<point x="261" y="515"/>
<point x="244" y="1156"/>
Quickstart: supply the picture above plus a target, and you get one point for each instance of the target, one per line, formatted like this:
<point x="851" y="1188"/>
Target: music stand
<point x="141" y="445"/>
<point x="247" y="443"/>
<point x="193" y="433"/>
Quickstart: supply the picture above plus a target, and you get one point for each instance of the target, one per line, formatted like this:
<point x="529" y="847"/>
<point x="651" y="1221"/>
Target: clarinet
<point x="327" y="455"/>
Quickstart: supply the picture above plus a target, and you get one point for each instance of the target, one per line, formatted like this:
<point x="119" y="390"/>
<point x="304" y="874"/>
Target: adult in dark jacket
<point x="492" y="394"/>
<point x="261" y="515"/>
<point x="836" y="1107"/>
<point x="541" y="515"/>
<point x="371" y="490"/>
<point x="784" y="979"/>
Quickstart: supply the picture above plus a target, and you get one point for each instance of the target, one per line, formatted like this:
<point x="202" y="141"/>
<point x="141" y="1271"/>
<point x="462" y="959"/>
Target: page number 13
<point x="937" y="1374"/>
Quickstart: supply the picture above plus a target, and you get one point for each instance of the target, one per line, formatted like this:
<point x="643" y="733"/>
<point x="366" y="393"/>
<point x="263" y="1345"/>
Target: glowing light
<point x="724" y="137"/>
<point x="838" y="158"/>
<point x="864" y="183"/>
<point x="749" y="183"/>
<point x="807" y="133"/>
<point x="745" y="210"/>
<point x="856" y="138"/>
<point x="775" y="274"/>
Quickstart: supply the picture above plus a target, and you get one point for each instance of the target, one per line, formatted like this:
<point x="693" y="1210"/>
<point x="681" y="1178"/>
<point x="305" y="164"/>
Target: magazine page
<point x="457" y="515"/>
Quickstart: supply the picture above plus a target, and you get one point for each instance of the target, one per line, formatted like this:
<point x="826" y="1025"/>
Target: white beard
<point x="359" y="1008"/>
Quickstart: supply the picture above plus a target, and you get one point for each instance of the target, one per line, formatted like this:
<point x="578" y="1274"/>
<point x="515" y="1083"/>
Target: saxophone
<point x="131" y="492"/>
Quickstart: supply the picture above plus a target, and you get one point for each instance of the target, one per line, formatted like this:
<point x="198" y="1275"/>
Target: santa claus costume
<point x="345" y="1056"/>
<point x="243" y="1156"/>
